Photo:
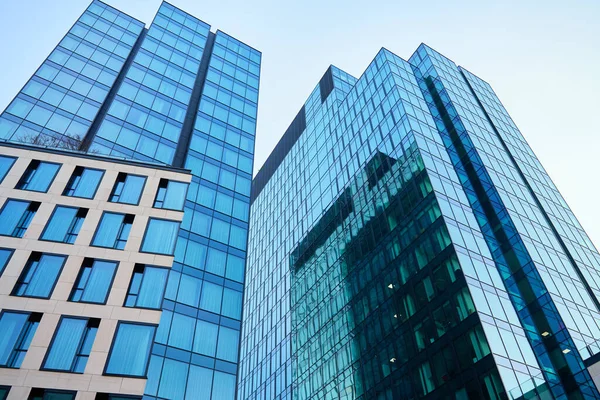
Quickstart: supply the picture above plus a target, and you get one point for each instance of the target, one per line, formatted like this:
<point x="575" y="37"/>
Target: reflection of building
<point x="86" y="246"/>
<point x="174" y="94"/>
<point x="406" y="243"/>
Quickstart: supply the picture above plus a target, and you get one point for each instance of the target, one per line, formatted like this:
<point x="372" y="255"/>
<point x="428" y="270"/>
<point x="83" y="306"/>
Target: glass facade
<point x="172" y="93"/>
<point x="406" y="243"/>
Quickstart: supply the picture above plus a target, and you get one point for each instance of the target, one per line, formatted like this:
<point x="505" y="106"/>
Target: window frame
<point x="160" y="182"/>
<point x="28" y="169"/>
<point x="71" y="225"/>
<point x="114" y="188"/>
<point x="35" y="315"/>
<point x="25" y="270"/>
<point x="12" y="164"/>
<point x="70" y="181"/>
<point x="119" y="233"/>
<point x="174" y="246"/>
<point x="28" y="211"/>
<point x="82" y="340"/>
<point x="11" y="253"/>
<point x="164" y="290"/>
<point x="92" y="260"/>
<point x="112" y="345"/>
<point x="46" y="391"/>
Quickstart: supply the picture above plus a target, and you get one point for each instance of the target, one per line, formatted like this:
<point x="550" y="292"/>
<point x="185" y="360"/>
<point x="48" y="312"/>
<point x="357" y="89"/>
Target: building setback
<point x="405" y="242"/>
<point x="173" y="94"/>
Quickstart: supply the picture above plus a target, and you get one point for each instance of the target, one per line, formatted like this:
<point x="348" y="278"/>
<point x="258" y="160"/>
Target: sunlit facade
<point x="405" y="242"/>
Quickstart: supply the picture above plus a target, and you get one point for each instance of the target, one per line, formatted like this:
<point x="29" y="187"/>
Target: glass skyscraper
<point x="177" y="94"/>
<point x="405" y="243"/>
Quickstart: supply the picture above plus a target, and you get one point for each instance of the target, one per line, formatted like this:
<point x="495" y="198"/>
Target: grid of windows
<point x="146" y="117"/>
<point x="56" y="107"/>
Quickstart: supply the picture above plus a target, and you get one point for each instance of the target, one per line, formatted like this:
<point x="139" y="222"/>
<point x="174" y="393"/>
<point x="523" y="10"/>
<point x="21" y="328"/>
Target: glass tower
<point x="405" y="242"/>
<point x="178" y="94"/>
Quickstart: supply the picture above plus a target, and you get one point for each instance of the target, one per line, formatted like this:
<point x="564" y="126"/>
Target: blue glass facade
<point x="174" y="93"/>
<point x="406" y="243"/>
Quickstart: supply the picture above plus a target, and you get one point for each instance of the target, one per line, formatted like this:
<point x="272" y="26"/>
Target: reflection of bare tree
<point x="64" y="142"/>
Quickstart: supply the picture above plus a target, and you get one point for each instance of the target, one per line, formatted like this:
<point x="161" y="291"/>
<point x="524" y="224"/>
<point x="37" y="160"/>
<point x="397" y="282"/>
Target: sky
<point x="541" y="57"/>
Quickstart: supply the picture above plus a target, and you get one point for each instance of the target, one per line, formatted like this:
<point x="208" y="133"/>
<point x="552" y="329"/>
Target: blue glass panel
<point x="5" y="255"/>
<point x="223" y="386"/>
<point x="59" y="224"/>
<point x="160" y="236"/>
<point x="39" y="276"/>
<point x="110" y="228"/>
<point x="131" y="350"/>
<point x="63" y="348"/>
<point x="152" y="287"/>
<point x="12" y="213"/>
<point x="38" y="176"/>
<point x="175" y="195"/>
<point x="84" y="183"/>
<point x="173" y="379"/>
<point x="199" y="383"/>
<point x="5" y="165"/>
<point x="11" y="326"/>
<point x="94" y="282"/>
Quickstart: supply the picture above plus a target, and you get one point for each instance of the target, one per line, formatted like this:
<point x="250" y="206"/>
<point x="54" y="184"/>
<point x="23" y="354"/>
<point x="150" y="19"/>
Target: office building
<point x="173" y="94"/>
<point x="405" y="242"/>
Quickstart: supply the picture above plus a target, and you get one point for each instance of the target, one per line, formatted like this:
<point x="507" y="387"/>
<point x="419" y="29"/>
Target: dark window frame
<point x="42" y="392"/>
<point x="80" y="210"/>
<point x="30" y="173"/>
<point x="122" y="178"/>
<point x="139" y="266"/>
<point x="32" y="317"/>
<point x="74" y="176"/>
<point x="90" y="261"/>
<point x="26" y="218"/>
<point x="25" y="271"/>
<point x="164" y="184"/>
<point x="172" y="253"/>
<point x="118" y="238"/>
<point x="112" y="345"/>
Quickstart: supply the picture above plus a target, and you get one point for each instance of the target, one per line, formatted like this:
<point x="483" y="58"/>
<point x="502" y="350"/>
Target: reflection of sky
<point x="542" y="58"/>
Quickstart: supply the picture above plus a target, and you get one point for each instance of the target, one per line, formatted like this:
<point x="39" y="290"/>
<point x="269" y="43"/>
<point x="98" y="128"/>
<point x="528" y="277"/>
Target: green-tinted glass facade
<point x="406" y="243"/>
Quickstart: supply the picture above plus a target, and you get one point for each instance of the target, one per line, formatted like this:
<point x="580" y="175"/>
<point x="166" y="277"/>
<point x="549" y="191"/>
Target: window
<point x="51" y="394"/>
<point x="5" y="255"/>
<point x="4" y="392"/>
<point x="17" y="331"/>
<point x="147" y="287"/>
<point x="71" y="345"/>
<point x="64" y="224"/>
<point x="113" y="230"/>
<point x="5" y="164"/>
<point x="16" y="216"/>
<point x="38" y="176"/>
<point x="160" y="236"/>
<point x="106" y="396"/>
<point x="170" y="195"/>
<point x="127" y="189"/>
<point x="94" y="281"/>
<point x="83" y="183"/>
<point x="130" y="350"/>
<point x="39" y="275"/>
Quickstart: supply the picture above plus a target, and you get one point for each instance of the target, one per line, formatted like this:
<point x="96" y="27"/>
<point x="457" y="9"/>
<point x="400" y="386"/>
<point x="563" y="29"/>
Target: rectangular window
<point x="94" y="281"/>
<point x="51" y="394"/>
<point x="160" y="236"/>
<point x="17" y="331"/>
<point x="6" y="164"/>
<point x="4" y="392"/>
<point x="113" y="230"/>
<point x="64" y="224"/>
<point x="130" y="350"/>
<point x="128" y="189"/>
<point x="170" y="195"/>
<point x="70" y="348"/>
<point x="5" y="255"/>
<point x="83" y="183"/>
<point x="39" y="275"/>
<point x="16" y="216"/>
<point x="147" y="287"/>
<point x="106" y="396"/>
<point x="38" y="176"/>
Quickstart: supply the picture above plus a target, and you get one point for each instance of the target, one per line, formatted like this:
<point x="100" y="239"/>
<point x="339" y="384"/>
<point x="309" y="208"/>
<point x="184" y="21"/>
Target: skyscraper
<point x="175" y="94"/>
<point x="405" y="242"/>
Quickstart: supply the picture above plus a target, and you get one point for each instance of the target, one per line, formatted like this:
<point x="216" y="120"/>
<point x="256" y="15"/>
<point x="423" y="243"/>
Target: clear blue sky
<point x="541" y="57"/>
